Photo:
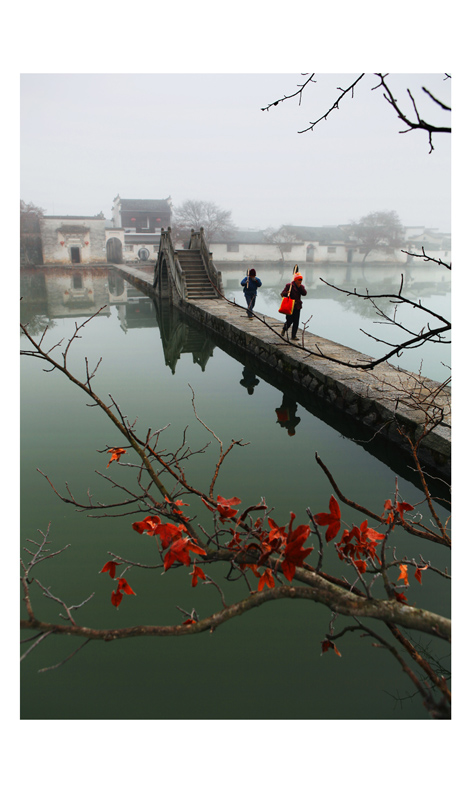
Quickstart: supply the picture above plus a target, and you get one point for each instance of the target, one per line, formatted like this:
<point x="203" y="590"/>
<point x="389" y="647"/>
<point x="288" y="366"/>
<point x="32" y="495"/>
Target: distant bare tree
<point x="30" y="233"/>
<point x="380" y="231"/>
<point x="281" y="238"/>
<point x="198" y="214"/>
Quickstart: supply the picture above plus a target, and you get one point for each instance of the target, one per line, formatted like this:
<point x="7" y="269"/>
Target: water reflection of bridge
<point x="179" y="337"/>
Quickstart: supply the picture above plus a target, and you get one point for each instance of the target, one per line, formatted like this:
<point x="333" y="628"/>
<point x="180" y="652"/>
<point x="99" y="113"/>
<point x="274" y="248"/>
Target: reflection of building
<point x="73" y="293"/>
<point x="82" y="292"/>
<point x="141" y="221"/>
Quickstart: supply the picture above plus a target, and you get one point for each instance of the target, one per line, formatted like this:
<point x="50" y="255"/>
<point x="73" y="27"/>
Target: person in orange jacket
<point x="298" y="291"/>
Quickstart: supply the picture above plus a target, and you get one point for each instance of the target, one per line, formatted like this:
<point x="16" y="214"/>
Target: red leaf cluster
<point x="276" y="541"/>
<point x="122" y="586"/>
<point x="223" y="506"/>
<point x="399" y="509"/>
<point x="172" y="539"/>
<point x="359" y="544"/>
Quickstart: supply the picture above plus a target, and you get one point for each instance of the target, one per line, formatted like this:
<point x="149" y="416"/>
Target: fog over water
<point x="205" y="136"/>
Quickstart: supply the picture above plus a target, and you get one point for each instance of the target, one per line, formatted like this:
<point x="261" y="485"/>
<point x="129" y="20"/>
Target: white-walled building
<point x="73" y="240"/>
<point x="254" y="246"/>
<point x="322" y="245"/>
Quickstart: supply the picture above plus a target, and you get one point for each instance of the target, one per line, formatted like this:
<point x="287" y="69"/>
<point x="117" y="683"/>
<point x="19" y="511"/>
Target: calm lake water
<point x="267" y="664"/>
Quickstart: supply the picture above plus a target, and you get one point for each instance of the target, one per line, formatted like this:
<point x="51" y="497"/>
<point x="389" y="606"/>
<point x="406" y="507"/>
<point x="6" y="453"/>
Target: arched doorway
<point x="114" y="250"/>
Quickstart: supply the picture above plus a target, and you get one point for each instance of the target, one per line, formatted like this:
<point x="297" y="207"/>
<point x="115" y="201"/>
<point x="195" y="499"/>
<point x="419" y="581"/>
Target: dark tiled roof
<point x="135" y="238"/>
<point x="323" y="235"/>
<point x="144" y="205"/>
<point x="240" y="237"/>
<point x="64" y="216"/>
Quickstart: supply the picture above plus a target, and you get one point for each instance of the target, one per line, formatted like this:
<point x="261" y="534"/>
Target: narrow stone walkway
<point x="383" y="399"/>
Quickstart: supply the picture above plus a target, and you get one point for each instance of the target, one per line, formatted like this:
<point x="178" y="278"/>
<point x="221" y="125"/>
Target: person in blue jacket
<point x="250" y="284"/>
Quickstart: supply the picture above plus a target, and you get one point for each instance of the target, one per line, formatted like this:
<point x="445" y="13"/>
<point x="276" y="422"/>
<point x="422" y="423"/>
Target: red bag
<point x="287" y="305"/>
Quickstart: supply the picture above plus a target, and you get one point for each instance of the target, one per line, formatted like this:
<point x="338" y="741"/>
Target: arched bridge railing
<point x="168" y="273"/>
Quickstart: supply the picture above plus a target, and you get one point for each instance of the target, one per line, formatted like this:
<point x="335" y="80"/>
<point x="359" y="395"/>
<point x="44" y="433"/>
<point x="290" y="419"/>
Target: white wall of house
<point x="66" y="237"/>
<point x="233" y="251"/>
<point x="300" y="253"/>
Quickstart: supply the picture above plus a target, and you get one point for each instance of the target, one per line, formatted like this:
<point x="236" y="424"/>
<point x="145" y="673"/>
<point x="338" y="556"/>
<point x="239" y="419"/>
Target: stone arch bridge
<point x="188" y="274"/>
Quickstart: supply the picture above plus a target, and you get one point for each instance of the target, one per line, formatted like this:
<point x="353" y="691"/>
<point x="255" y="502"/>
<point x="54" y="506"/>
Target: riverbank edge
<point x="383" y="399"/>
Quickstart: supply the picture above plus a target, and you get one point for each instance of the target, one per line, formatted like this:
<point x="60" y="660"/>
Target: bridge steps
<point x="199" y="286"/>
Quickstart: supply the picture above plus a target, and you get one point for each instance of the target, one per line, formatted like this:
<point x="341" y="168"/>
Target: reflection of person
<point x="296" y="291"/>
<point x="250" y="283"/>
<point x="249" y="380"/>
<point x="286" y="415"/>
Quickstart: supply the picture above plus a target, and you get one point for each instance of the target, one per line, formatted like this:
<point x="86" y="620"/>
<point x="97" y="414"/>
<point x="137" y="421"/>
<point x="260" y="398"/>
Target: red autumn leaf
<point x="333" y="519"/>
<point x="253" y="567"/>
<point x="400" y="597"/>
<point x="289" y="570"/>
<point x="169" y="533"/>
<point x="224" y="506"/>
<point x="179" y="551"/>
<point x="197" y="573"/>
<point x="148" y="524"/>
<point x="116" y="453"/>
<point x="190" y="622"/>
<point x="235" y="542"/>
<point x="327" y="644"/>
<point x="294" y="556"/>
<point x="418" y="571"/>
<point x="388" y="506"/>
<point x="401" y="507"/>
<point x="110" y="566"/>
<point x="266" y="578"/>
<point x="116" y="598"/>
<point x="361" y="566"/>
<point x="123" y="586"/>
<point x="403" y="576"/>
<point x="177" y="503"/>
<point x="294" y="553"/>
<point x="371" y="533"/>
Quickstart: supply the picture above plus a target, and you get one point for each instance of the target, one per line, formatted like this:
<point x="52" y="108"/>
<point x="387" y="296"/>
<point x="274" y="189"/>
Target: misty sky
<point x="87" y="137"/>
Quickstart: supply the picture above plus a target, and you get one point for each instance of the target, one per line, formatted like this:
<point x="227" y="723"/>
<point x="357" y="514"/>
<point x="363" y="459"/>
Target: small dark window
<point x="75" y="255"/>
<point x="77" y="282"/>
